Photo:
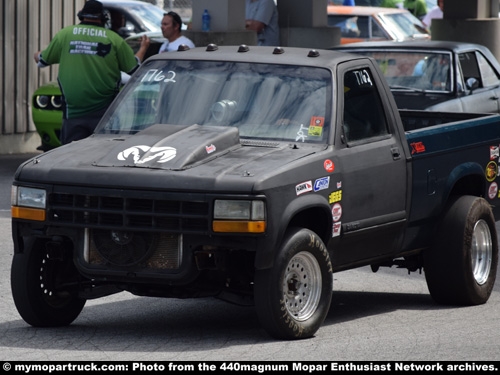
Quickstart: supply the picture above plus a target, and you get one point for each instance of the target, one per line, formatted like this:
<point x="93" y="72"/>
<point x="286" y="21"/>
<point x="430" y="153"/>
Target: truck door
<point x="373" y="166"/>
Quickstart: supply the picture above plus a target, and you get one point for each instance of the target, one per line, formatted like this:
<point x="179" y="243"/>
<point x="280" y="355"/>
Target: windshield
<point x="151" y="16"/>
<point x="414" y="70"/>
<point x="404" y="26"/>
<point x="265" y="101"/>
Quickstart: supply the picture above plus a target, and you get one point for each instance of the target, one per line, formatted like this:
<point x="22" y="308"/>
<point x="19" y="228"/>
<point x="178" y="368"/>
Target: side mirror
<point x="126" y="31"/>
<point x="472" y="84"/>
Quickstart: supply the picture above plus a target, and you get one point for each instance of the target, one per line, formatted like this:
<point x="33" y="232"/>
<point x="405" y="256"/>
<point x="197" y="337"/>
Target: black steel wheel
<point x="45" y="290"/>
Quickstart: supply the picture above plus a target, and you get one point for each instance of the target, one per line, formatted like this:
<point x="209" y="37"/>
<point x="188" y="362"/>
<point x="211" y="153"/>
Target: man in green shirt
<point x="417" y="7"/>
<point x="91" y="59"/>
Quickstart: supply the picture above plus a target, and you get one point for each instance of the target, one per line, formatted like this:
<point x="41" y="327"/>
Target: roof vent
<point x="183" y="47"/>
<point x="313" y="53"/>
<point x="243" y="48"/>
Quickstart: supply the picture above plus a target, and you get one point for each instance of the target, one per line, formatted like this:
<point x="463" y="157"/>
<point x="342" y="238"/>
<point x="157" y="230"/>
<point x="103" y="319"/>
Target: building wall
<point x="26" y="26"/>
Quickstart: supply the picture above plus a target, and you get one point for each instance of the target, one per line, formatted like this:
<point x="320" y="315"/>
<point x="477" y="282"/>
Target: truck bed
<point x="416" y="120"/>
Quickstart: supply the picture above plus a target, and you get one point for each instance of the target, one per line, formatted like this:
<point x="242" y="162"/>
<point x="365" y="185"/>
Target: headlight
<point x="48" y="101"/>
<point x="42" y="101"/>
<point x="28" y="197"/>
<point x="56" y="101"/>
<point x="243" y="216"/>
<point x="28" y="203"/>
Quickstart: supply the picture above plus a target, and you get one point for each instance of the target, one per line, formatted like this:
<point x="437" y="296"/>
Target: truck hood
<point x="172" y="147"/>
<point x="198" y="157"/>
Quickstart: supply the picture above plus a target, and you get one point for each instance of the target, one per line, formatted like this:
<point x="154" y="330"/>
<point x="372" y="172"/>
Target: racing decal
<point x="493" y="190"/>
<point x="339" y="184"/>
<point x="336" y="212"/>
<point x="300" y="134"/>
<point x="155" y="75"/>
<point x="494" y="152"/>
<point x="328" y="165"/>
<point x="363" y="77"/>
<point x="316" y="126"/>
<point x="336" y="229"/>
<point x="417" y="147"/>
<point x="304" y="187"/>
<point x="163" y="154"/>
<point x="491" y="171"/>
<point x="210" y="149"/>
<point x="322" y="183"/>
<point x="335" y="196"/>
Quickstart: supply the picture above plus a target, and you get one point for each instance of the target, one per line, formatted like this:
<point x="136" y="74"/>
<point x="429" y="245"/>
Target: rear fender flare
<point x="462" y="172"/>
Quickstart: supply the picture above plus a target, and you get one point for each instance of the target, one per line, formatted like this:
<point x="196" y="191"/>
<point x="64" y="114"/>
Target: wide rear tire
<point x="460" y="269"/>
<point x="293" y="297"/>
<point x="45" y="290"/>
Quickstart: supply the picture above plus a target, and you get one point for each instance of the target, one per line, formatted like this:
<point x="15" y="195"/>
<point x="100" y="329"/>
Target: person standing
<point x="171" y="25"/>
<point x="262" y="17"/>
<point x="392" y="4"/>
<point x="91" y="59"/>
<point x="417" y="7"/>
<point x="435" y="12"/>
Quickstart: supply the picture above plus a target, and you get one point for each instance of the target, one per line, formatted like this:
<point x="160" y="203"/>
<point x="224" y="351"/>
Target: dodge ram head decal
<point x="142" y="154"/>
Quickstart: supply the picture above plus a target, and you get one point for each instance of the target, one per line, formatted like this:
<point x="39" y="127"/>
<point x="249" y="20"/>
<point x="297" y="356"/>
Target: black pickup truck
<point x="252" y="174"/>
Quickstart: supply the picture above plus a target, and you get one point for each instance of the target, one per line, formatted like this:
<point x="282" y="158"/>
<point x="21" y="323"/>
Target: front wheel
<point x="45" y="289"/>
<point x="460" y="268"/>
<point x="293" y="297"/>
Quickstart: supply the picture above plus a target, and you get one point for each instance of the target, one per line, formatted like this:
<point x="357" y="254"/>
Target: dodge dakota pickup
<point x="252" y="174"/>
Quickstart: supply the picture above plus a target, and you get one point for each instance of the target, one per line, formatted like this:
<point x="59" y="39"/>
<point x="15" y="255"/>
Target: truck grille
<point x="119" y="210"/>
<point x="145" y="250"/>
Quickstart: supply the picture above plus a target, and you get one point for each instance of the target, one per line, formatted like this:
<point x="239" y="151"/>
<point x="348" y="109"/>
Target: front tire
<point x="293" y="297"/>
<point x="37" y="286"/>
<point x="460" y="269"/>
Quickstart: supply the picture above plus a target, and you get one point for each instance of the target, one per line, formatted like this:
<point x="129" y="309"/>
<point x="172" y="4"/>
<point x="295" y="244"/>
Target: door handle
<point x="396" y="154"/>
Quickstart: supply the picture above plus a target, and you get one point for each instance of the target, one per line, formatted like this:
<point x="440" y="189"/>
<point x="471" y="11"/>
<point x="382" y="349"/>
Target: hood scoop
<point x="173" y="147"/>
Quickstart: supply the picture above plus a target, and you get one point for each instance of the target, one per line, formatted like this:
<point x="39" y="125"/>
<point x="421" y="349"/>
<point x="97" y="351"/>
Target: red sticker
<point x="329" y="166"/>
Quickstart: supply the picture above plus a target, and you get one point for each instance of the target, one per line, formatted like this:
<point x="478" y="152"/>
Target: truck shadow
<point x="139" y="324"/>
<point x="351" y="305"/>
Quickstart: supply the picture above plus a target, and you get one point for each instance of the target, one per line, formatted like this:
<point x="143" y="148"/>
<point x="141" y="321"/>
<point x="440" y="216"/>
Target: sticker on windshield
<point x="316" y="126"/>
<point x="138" y="154"/>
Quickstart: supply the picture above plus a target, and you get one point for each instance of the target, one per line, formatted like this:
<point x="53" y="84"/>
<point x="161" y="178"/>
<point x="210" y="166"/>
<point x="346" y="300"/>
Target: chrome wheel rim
<point x="481" y="252"/>
<point x="302" y="286"/>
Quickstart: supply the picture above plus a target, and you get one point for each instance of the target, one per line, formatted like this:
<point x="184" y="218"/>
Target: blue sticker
<point x="322" y="183"/>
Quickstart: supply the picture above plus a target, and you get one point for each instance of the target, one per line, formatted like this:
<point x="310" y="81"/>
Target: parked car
<point x="130" y="19"/>
<point x="437" y="75"/>
<point x="361" y="23"/>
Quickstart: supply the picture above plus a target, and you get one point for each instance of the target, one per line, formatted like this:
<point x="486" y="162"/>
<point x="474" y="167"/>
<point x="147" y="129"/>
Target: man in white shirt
<point x="435" y="12"/>
<point x="171" y="29"/>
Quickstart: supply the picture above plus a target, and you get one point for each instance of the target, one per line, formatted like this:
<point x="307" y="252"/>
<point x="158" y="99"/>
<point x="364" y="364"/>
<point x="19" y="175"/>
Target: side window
<point x="469" y="66"/>
<point x="488" y="74"/>
<point x="377" y="31"/>
<point x="364" y="116"/>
